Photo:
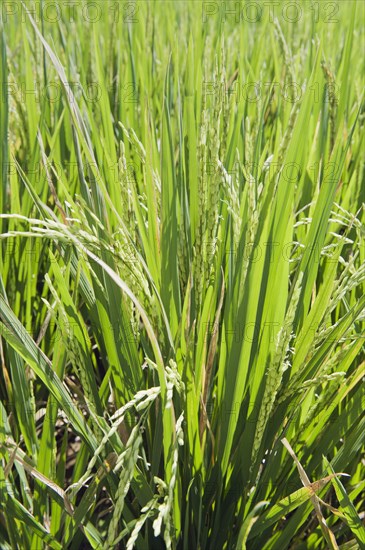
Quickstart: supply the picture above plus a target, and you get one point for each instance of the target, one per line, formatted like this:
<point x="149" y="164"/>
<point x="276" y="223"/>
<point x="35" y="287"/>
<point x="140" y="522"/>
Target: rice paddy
<point x="182" y="275"/>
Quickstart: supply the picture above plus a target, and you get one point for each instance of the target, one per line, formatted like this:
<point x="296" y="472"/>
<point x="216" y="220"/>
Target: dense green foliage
<point x="182" y="275"/>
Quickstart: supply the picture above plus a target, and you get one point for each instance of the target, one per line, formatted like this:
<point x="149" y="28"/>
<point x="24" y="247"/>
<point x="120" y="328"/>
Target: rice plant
<point x="182" y="275"/>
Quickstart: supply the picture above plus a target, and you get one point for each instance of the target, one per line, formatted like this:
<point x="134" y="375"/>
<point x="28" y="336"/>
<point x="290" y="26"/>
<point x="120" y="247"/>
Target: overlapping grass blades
<point x="182" y="283"/>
